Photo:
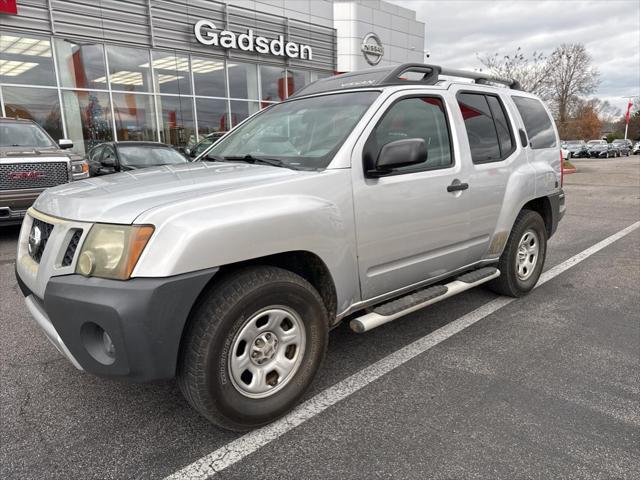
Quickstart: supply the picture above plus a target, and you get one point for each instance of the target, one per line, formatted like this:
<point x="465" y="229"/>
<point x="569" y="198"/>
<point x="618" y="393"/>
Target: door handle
<point x="456" y="186"/>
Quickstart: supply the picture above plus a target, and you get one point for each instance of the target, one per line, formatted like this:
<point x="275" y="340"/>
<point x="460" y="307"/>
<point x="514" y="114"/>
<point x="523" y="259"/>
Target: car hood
<point x="20" y="152"/>
<point x="121" y="197"/>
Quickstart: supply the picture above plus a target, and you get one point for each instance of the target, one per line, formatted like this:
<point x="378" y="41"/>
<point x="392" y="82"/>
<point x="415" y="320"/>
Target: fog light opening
<point x="98" y="343"/>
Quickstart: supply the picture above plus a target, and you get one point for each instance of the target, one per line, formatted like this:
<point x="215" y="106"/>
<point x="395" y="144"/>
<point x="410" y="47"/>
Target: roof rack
<point x="408" y="73"/>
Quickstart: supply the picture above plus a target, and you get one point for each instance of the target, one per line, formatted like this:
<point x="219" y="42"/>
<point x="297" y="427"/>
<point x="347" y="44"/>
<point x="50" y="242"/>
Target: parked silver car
<point x="364" y="197"/>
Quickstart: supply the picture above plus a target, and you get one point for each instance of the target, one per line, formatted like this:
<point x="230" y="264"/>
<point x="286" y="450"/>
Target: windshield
<point x="574" y="142"/>
<point x="24" y="135"/>
<point x="619" y="141"/>
<point x="137" y="156"/>
<point x="303" y="134"/>
<point x="597" y="142"/>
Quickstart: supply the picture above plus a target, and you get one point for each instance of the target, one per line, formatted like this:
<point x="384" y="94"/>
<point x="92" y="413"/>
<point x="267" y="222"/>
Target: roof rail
<point x="408" y="73"/>
<point x="480" y="77"/>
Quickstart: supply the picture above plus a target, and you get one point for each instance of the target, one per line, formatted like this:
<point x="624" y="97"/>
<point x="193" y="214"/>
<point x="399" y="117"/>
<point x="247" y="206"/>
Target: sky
<point x="610" y="30"/>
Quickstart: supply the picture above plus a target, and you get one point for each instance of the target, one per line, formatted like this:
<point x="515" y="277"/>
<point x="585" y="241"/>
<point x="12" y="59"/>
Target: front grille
<point x="22" y="175"/>
<point x="38" y="237"/>
<point x="71" y="248"/>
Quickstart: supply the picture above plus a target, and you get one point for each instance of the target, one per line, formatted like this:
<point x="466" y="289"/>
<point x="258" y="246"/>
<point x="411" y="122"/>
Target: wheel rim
<point x="528" y="253"/>
<point x="267" y="352"/>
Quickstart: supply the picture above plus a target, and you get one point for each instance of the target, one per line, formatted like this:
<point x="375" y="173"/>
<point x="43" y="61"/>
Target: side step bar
<point x="387" y="312"/>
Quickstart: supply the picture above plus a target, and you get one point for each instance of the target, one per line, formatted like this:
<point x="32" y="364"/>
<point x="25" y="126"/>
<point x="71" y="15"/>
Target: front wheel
<point x="253" y="347"/>
<point x="523" y="257"/>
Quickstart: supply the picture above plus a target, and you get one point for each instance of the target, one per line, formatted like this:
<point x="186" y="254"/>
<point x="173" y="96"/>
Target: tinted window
<point x="414" y="118"/>
<point x="537" y="122"/>
<point x="481" y="130"/>
<point x="502" y="126"/>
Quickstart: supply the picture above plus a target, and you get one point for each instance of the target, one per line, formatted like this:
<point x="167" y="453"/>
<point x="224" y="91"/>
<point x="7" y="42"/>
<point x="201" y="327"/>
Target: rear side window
<point x="536" y="122"/>
<point x="414" y="117"/>
<point x="490" y="137"/>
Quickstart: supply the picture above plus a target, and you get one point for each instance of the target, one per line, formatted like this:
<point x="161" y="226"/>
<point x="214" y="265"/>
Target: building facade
<point x="175" y="70"/>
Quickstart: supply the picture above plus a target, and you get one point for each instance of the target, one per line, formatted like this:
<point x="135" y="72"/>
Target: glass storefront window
<point x="134" y="116"/>
<point x="80" y="65"/>
<point x="212" y="116"/>
<point x="296" y="80"/>
<point x="128" y="69"/>
<point x="176" y="120"/>
<point x="272" y="83"/>
<point x="171" y="72"/>
<point x="41" y="105"/>
<point x="209" y="79"/>
<point x="243" y="80"/>
<point x="26" y="60"/>
<point x="88" y="117"/>
<point x="241" y="110"/>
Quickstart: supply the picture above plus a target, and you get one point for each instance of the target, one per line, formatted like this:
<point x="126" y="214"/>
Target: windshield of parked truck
<point x="143" y="156"/>
<point x="302" y="134"/>
<point x="597" y="142"/>
<point x="24" y="135"/>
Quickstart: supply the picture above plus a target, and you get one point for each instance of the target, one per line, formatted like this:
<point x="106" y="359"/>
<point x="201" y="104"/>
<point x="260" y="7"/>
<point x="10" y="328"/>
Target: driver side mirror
<point x="400" y="153"/>
<point x="108" y="162"/>
<point x="65" y="143"/>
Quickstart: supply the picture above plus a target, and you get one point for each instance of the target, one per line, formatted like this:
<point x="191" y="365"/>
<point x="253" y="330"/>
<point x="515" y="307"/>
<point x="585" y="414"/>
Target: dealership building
<point x="175" y="70"/>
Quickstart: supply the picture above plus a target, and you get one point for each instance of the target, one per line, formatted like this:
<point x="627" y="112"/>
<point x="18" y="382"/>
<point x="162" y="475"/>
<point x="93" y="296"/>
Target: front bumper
<point x="10" y="216"/>
<point x="143" y="317"/>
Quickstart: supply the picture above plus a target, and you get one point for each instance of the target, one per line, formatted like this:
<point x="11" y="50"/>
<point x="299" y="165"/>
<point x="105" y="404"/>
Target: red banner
<point x="628" y="112"/>
<point x="9" y="7"/>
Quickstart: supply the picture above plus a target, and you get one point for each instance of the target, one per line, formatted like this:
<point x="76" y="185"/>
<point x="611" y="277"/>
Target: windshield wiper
<point x="274" y="162"/>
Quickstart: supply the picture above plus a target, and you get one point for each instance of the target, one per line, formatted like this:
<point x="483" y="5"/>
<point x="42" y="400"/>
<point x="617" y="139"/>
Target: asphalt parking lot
<point x="547" y="386"/>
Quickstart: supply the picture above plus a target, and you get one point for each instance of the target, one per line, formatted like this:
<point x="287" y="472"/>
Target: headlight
<point x="80" y="167"/>
<point x="112" y="251"/>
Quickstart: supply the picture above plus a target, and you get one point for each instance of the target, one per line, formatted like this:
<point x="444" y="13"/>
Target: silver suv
<point x="363" y="198"/>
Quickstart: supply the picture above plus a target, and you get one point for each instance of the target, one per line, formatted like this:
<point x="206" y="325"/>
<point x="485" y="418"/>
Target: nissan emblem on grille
<point x="35" y="239"/>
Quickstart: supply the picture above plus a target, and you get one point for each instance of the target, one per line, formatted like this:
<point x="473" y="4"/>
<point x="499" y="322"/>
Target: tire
<point x="233" y="306"/>
<point x="510" y="282"/>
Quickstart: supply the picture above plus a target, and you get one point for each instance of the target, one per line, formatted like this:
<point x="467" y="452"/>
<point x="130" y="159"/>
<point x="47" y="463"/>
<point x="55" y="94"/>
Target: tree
<point x="571" y="76"/>
<point x="585" y="123"/>
<point x="531" y="71"/>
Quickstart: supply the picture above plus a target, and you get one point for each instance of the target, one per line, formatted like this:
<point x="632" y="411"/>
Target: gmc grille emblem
<point x="25" y="175"/>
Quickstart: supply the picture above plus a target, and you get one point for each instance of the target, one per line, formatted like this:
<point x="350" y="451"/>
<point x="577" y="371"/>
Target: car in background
<point x="636" y="148"/>
<point x="202" y="145"/>
<point x="113" y="157"/>
<point x="600" y="149"/>
<point x="623" y="146"/>
<point x="30" y="162"/>
<point x="576" y="148"/>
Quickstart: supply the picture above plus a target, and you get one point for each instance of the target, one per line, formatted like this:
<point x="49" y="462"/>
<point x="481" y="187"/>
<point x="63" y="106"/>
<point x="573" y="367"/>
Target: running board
<point x="387" y="312"/>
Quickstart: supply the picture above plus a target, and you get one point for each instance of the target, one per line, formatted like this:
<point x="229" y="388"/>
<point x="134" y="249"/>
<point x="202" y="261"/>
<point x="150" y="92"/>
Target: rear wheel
<point x="253" y="347"/>
<point x="523" y="257"/>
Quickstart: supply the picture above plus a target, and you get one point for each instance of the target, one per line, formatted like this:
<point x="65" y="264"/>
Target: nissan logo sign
<point x="35" y="239"/>
<point x="372" y="48"/>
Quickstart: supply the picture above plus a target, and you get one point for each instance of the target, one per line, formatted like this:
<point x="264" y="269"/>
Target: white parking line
<point x="225" y="456"/>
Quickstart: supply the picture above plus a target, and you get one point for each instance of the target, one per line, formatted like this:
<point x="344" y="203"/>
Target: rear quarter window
<point x="537" y="122"/>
